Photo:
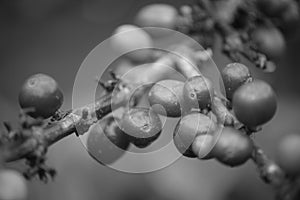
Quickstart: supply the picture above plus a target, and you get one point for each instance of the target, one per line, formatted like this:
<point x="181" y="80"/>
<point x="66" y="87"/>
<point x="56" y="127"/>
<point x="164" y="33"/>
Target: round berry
<point x="133" y="41"/>
<point x="288" y="154"/>
<point x="157" y="15"/>
<point x="106" y="142"/>
<point x="165" y="97"/>
<point x="12" y="185"/>
<point x="254" y="103"/>
<point x="41" y="95"/>
<point x="188" y="128"/>
<point x="269" y="41"/>
<point x="203" y="145"/>
<point x="233" y="147"/>
<point x="142" y="125"/>
<point x="233" y="76"/>
<point x="198" y="92"/>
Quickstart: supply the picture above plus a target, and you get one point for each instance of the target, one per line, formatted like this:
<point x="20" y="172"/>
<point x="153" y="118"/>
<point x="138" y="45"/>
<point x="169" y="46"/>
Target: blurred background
<point x="54" y="37"/>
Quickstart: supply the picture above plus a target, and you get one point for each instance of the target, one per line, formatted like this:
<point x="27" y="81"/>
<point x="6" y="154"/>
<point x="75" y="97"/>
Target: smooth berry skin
<point x="233" y="76"/>
<point x="203" y="145"/>
<point x="233" y="148"/>
<point x="166" y="98"/>
<point x="12" y="185"/>
<point x="269" y="41"/>
<point x="106" y="142"/>
<point x="254" y="103"/>
<point x="142" y="125"/>
<point x="157" y="15"/>
<point x="288" y="154"/>
<point x="133" y="42"/>
<point x="188" y="128"/>
<point x="198" y="92"/>
<point x="41" y="94"/>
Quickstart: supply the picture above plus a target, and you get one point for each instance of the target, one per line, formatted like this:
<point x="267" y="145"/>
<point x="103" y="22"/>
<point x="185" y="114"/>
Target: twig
<point x="78" y="121"/>
<point x="272" y="174"/>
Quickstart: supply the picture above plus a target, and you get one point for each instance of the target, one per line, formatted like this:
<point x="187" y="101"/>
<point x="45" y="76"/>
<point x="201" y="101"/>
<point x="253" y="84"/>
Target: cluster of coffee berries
<point x="200" y="132"/>
<point x="139" y="126"/>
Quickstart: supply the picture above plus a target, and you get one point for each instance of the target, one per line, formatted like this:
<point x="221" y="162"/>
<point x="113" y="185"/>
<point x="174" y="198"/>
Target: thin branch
<point x="78" y="121"/>
<point x="269" y="171"/>
<point x="285" y="187"/>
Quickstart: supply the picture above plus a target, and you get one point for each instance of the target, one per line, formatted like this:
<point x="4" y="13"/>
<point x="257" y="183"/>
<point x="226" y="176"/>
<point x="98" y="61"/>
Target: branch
<point x="269" y="171"/>
<point x="286" y="188"/>
<point x="77" y="121"/>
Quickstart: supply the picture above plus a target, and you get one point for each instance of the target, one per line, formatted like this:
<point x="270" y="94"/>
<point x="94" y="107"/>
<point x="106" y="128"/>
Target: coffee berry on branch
<point x="211" y="126"/>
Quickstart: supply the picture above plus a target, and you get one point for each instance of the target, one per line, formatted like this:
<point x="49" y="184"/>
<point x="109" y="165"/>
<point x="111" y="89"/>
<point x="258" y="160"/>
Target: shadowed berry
<point x="233" y="147"/>
<point x="106" y="142"/>
<point x="203" y="145"/>
<point x="254" y="103"/>
<point x="198" y="92"/>
<point x="233" y="76"/>
<point x="40" y="93"/>
<point x="269" y="41"/>
<point x="165" y="97"/>
<point x="188" y="128"/>
<point x="142" y="125"/>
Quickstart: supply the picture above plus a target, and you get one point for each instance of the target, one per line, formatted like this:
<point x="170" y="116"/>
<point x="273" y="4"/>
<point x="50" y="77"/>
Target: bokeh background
<point x="54" y="36"/>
